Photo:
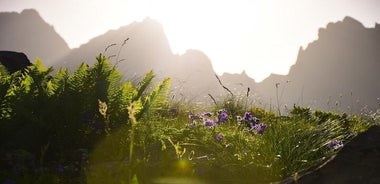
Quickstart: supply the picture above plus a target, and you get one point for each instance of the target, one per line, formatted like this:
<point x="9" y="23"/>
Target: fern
<point x="60" y="81"/>
<point x="39" y="109"/>
<point x="77" y="81"/>
<point x="143" y="85"/>
<point x="157" y="98"/>
<point x="5" y="84"/>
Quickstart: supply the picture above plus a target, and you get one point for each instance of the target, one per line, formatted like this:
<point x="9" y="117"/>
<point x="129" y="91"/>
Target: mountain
<point x="143" y="46"/>
<point x="338" y="71"/>
<point x="27" y="32"/>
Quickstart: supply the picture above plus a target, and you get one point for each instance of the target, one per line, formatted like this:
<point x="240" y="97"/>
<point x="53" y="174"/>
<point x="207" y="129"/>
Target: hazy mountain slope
<point x="147" y="48"/>
<point x="338" y="71"/>
<point x="27" y="32"/>
<point x="147" y="45"/>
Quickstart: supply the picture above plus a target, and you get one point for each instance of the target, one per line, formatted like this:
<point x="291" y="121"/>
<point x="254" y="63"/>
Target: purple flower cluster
<point x="251" y="123"/>
<point x="208" y="122"/>
<point x="335" y="144"/>
<point x="222" y="116"/>
<point x="206" y="118"/>
<point x="219" y="137"/>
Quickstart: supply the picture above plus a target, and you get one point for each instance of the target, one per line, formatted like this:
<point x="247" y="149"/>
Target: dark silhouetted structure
<point x="14" y="61"/>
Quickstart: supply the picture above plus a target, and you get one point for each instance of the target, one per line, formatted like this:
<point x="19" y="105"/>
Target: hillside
<point x="338" y="71"/>
<point x="27" y="32"/>
<point x="146" y="48"/>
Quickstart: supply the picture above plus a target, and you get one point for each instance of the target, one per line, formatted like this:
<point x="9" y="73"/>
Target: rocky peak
<point x="27" y="32"/>
<point x="31" y="13"/>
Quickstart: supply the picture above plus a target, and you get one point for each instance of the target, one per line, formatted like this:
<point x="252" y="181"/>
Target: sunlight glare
<point x="243" y="31"/>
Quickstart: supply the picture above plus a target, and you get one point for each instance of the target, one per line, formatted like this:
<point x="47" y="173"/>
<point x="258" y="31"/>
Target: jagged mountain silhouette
<point x="338" y="71"/>
<point x="27" y="32"/>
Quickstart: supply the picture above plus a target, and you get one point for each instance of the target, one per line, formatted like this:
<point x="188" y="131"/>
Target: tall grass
<point x="130" y="135"/>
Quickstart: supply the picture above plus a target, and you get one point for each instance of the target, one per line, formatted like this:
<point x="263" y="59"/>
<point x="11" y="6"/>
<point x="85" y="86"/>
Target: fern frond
<point x="77" y="80"/>
<point x="5" y="84"/>
<point x="156" y="98"/>
<point x="144" y="84"/>
<point x="61" y="80"/>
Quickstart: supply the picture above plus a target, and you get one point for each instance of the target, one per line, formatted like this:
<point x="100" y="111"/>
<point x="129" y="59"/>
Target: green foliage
<point x="91" y="126"/>
<point x="3" y="70"/>
<point x="301" y="112"/>
<point x="52" y="117"/>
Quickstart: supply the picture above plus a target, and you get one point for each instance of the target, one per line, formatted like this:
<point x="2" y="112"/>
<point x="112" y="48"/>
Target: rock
<point x="14" y="61"/>
<point x="357" y="162"/>
<point x="29" y="33"/>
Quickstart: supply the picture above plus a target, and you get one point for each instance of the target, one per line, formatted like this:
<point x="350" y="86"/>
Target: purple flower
<point x="208" y="114"/>
<point x="255" y="120"/>
<point x="209" y="123"/>
<point x="193" y="116"/>
<point x="222" y="116"/>
<point x="219" y="137"/>
<point x="253" y="126"/>
<point x="60" y="168"/>
<point x="248" y="116"/>
<point x="260" y="128"/>
<point x="335" y="144"/>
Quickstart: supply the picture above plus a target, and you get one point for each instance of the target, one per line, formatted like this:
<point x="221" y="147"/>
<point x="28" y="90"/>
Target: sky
<point x="259" y="37"/>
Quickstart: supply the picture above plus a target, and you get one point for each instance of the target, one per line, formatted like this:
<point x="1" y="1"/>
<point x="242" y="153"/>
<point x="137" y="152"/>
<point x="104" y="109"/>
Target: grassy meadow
<point x="92" y="126"/>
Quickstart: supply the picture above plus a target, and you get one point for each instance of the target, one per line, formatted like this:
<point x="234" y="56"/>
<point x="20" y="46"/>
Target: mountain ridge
<point x="345" y="55"/>
<point x="26" y="32"/>
<point x="344" y="50"/>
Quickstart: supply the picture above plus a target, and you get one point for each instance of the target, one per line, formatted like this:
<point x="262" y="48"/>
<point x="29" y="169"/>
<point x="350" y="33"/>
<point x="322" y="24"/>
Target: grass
<point x="168" y="148"/>
<point x="175" y="142"/>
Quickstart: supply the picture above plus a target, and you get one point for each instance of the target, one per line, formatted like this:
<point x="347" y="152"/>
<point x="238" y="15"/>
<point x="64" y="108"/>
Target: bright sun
<point x="258" y="36"/>
<point x="234" y="34"/>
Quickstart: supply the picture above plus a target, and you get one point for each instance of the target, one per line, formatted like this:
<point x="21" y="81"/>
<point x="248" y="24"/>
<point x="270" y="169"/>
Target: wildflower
<point x="255" y="120"/>
<point x="193" y="116"/>
<point x="335" y="144"/>
<point x="248" y="116"/>
<point x="222" y="116"/>
<point x="252" y="126"/>
<point x="219" y="137"/>
<point x="60" y="168"/>
<point x="260" y="128"/>
<point x="208" y="114"/>
<point x="209" y="123"/>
